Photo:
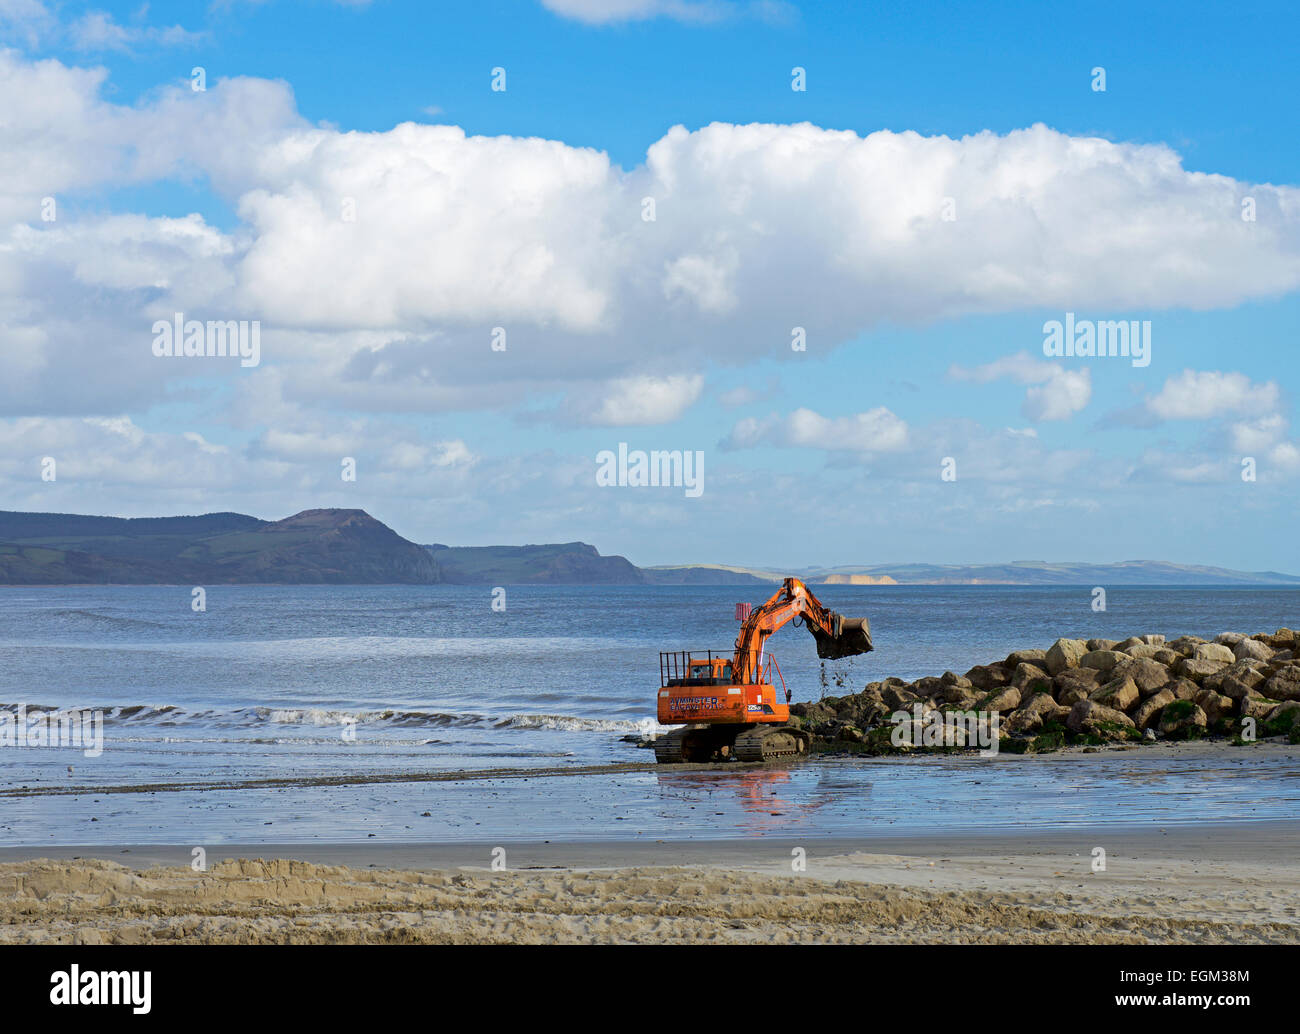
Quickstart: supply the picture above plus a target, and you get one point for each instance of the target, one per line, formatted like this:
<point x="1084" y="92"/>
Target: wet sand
<point x="824" y="797"/>
<point x="1233" y="883"/>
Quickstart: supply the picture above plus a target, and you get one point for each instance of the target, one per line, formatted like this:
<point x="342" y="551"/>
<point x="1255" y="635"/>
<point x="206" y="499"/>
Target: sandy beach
<point x="1212" y="885"/>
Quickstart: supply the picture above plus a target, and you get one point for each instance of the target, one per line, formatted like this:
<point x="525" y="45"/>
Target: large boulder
<point x="1147" y="675"/>
<point x="1185" y="645"/>
<point x="1214" y="652"/>
<point x="1022" y="723"/>
<point x="1252" y="649"/>
<point x="1215" y="705"/>
<point x="1150" y="708"/>
<point x="961" y="697"/>
<point x="1101" y="644"/>
<point x="1071" y="695"/>
<point x="815" y="713"/>
<point x="1094" y="719"/>
<point x="1004" y="701"/>
<point x="1256" y="706"/>
<point x="1183" y="689"/>
<point x="1182" y="720"/>
<point x="1120" y="693"/>
<point x="863" y="709"/>
<point x="1229" y="639"/>
<point x="1284" y="684"/>
<point x="988" y="676"/>
<point x="1032" y="715"/>
<point x="1018" y="657"/>
<point x="898" y="698"/>
<point x="1197" y="668"/>
<point x="1028" y="675"/>
<point x="1237" y="678"/>
<point x="1236" y="687"/>
<point x="1075" y="684"/>
<point x="1147" y="650"/>
<point x="1064" y="654"/>
<point x="1287" y="707"/>
<point x="1039" y="697"/>
<point x="969" y="701"/>
<point x="872" y="695"/>
<point x="1043" y="704"/>
<point x="1102" y="660"/>
<point x="1153" y="640"/>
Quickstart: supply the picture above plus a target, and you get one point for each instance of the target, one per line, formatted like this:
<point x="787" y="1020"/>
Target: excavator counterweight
<point x="728" y="704"/>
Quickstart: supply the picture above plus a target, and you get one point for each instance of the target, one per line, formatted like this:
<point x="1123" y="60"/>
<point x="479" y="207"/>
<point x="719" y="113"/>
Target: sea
<point x="318" y="713"/>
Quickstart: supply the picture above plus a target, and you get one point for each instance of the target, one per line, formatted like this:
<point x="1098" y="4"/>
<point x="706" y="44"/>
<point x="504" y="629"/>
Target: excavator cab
<point x="715" y="671"/>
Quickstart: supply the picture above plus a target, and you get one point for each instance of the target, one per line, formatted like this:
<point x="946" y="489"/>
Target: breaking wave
<point x="566" y="723"/>
<point x="168" y="715"/>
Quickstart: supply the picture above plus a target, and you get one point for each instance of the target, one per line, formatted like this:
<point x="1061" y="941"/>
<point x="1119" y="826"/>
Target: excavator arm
<point x="836" y="635"/>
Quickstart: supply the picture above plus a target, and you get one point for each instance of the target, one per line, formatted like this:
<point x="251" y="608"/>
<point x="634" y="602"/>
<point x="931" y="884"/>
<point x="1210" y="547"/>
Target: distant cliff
<point x="568" y="563"/>
<point x="704" y="574"/>
<point x="315" y="546"/>
<point x="339" y="547"/>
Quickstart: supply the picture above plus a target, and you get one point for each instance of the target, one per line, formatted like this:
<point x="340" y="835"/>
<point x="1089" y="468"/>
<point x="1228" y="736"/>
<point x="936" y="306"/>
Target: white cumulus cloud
<point x="631" y="401"/>
<point x="1056" y="392"/>
<point x="1202" y="394"/>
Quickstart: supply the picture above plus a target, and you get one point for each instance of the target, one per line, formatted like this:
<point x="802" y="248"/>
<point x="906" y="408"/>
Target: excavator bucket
<point x="853" y="638"/>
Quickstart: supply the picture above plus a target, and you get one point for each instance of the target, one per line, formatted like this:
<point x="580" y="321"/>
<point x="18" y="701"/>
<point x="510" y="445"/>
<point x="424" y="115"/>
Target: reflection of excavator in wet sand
<point x="728" y="704"/>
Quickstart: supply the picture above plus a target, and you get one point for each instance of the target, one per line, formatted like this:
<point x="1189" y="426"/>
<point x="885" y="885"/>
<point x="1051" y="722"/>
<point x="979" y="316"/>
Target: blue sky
<point x="776" y="209"/>
<point x="1214" y="81"/>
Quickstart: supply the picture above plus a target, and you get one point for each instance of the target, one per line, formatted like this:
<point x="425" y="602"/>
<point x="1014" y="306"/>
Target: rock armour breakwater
<point x="1142" y="689"/>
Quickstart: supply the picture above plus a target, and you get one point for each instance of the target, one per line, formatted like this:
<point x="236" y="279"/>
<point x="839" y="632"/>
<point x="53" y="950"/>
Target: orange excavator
<point x="728" y="704"/>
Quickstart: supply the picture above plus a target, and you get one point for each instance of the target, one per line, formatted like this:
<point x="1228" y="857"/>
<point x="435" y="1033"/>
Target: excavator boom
<point x="836" y="635"/>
